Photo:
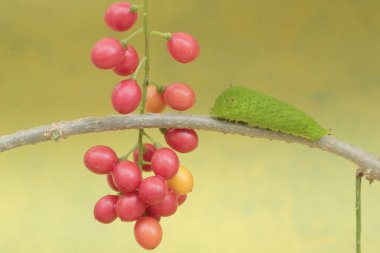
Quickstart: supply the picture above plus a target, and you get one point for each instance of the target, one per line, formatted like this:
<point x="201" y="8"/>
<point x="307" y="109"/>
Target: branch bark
<point x="369" y="164"/>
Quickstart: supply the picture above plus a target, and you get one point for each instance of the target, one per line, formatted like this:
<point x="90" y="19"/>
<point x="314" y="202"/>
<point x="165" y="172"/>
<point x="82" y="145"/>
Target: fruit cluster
<point x="140" y="198"/>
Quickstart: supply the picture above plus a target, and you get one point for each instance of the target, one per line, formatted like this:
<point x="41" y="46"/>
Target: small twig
<point x="368" y="163"/>
<point x="358" y="208"/>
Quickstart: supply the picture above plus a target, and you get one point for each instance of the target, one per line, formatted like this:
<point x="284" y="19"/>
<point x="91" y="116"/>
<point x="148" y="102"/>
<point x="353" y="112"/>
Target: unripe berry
<point x="165" y="163"/>
<point x="154" y="100"/>
<point x="182" y="140"/>
<point x="104" y="210"/>
<point x="183" y="47"/>
<point x="107" y="53"/>
<point x="179" y="96"/>
<point x="183" y="182"/>
<point x="119" y="16"/>
<point x="100" y="159"/>
<point x="126" y="96"/>
<point x="129" y="65"/>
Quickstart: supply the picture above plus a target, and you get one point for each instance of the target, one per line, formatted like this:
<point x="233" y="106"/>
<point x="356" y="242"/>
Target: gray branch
<point x="369" y="164"/>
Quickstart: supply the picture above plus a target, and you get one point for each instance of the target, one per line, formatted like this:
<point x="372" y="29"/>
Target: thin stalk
<point x="156" y="143"/>
<point x="125" y="157"/>
<point x="124" y="42"/>
<point x="146" y="79"/>
<point x="358" y="212"/>
<point x="134" y="76"/>
<point x="165" y="35"/>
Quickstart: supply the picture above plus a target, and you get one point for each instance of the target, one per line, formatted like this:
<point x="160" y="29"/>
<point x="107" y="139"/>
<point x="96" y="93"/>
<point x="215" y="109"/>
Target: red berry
<point x="150" y="214"/>
<point x="129" y="207"/>
<point x="182" y="140"/>
<point x="179" y="96"/>
<point x="100" y="159"/>
<point x="126" y="176"/>
<point x="104" y="210"/>
<point x="154" y="100"/>
<point x="153" y="190"/>
<point x="126" y="96"/>
<point x="181" y="199"/>
<point x="149" y="150"/>
<point x="129" y="65"/>
<point x="148" y="232"/>
<point x="183" y="47"/>
<point x="119" y="16"/>
<point x="165" y="163"/>
<point x="166" y="207"/>
<point x="111" y="183"/>
<point x="107" y="53"/>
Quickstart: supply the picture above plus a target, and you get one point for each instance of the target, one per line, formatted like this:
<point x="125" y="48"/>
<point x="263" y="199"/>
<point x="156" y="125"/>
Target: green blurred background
<point x="250" y="195"/>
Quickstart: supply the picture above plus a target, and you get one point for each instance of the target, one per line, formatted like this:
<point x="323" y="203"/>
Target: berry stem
<point x="155" y="143"/>
<point x="134" y="76"/>
<point x="125" y="157"/>
<point x="165" y="35"/>
<point x="125" y="41"/>
<point x="146" y="80"/>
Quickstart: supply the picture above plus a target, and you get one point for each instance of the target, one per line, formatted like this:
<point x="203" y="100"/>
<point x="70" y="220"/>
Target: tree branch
<point x="369" y="164"/>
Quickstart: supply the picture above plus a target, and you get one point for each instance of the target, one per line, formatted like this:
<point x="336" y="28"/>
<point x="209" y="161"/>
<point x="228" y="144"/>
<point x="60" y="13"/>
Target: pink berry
<point x="182" y="140"/>
<point x="100" y="159"/>
<point x="165" y="163"/>
<point x="153" y="190"/>
<point x="181" y="199"/>
<point x="119" y="16"/>
<point x="126" y="96"/>
<point x="166" y="207"/>
<point x="153" y="215"/>
<point x="107" y="53"/>
<point x="129" y="207"/>
<point x="183" y="47"/>
<point x="179" y="96"/>
<point x="149" y="150"/>
<point x="129" y="65"/>
<point x="126" y="176"/>
<point x="111" y="183"/>
<point x="104" y="210"/>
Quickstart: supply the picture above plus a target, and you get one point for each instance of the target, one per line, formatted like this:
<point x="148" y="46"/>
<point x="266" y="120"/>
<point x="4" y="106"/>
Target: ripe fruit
<point x="153" y="190"/>
<point x="148" y="232"/>
<point x="119" y="16"/>
<point x="149" y="150"/>
<point x="183" y="182"/>
<point x="126" y="96"/>
<point x="100" y="159"/>
<point x="126" y="176"/>
<point x="183" y="47"/>
<point x="107" y="53"/>
<point x="179" y="96"/>
<point x="104" y="210"/>
<point x="154" y="100"/>
<point x="181" y="199"/>
<point x="150" y="214"/>
<point x="129" y="207"/>
<point x="167" y="207"/>
<point x="165" y="163"/>
<point x="129" y="65"/>
<point x="111" y="183"/>
<point x="182" y="140"/>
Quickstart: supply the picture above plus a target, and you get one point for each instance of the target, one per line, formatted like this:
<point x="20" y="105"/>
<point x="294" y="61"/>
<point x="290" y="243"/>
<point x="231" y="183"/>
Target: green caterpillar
<point x="262" y="111"/>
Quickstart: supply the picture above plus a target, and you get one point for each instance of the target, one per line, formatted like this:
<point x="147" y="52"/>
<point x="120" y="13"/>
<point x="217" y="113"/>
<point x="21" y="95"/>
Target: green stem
<point x="146" y="79"/>
<point x="125" y="41"/>
<point x="125" y="157"/>
<point x="358" y="212"/>
<point x="156" y="143"/>
<point x="165" y="35"/>
<point x="134" y="76"/>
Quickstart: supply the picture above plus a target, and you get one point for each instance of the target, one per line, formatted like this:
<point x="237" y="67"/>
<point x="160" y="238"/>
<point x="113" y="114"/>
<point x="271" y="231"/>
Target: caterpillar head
<point x="230" y="103"/>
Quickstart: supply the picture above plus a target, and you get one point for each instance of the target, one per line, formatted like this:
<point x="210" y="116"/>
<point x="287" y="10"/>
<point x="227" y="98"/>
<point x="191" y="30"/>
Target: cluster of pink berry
<point x="143" y="199"/>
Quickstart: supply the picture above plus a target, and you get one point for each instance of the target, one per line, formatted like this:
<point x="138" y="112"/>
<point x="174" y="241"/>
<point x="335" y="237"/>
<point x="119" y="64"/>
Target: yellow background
<point x="250" y="195"/>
